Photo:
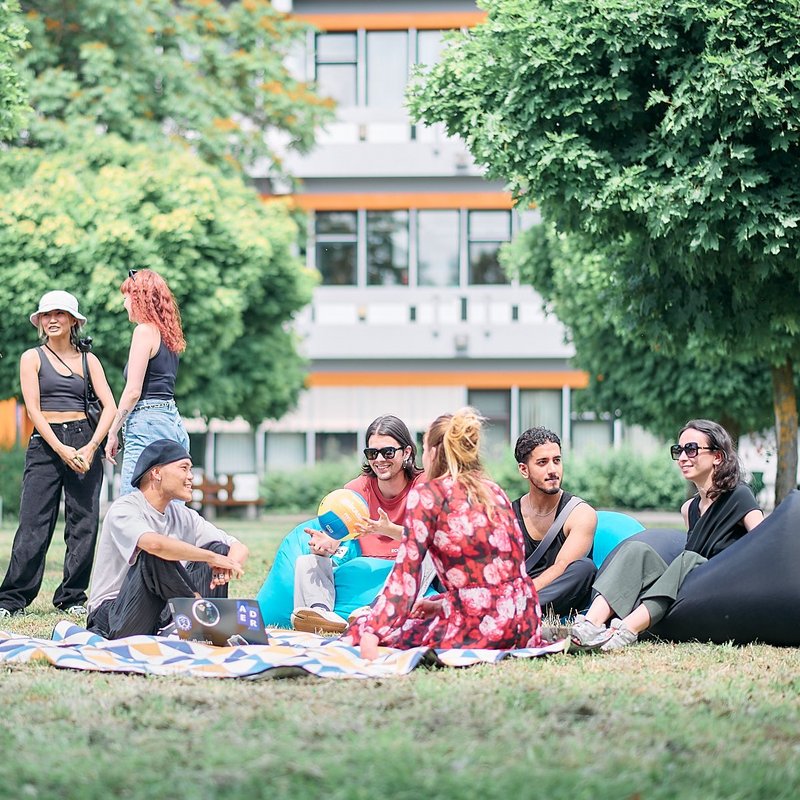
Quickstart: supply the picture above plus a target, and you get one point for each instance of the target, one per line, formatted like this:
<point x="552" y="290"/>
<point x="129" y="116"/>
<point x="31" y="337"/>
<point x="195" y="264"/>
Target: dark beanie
<point x="156" y="454"/>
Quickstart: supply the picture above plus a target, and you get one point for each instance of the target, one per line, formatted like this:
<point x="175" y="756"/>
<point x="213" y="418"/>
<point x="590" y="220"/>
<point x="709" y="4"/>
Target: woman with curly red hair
<point x="147" y="410"/>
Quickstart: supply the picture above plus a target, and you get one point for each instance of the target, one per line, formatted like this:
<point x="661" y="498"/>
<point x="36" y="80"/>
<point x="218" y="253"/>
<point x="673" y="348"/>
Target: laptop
<point x="221" y="621"/>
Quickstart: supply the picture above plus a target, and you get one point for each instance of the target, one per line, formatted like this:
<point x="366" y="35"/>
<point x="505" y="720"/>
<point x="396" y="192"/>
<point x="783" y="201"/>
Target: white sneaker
<point x="76" y="611"/>
<point x="4" y="613"/>
<point x="317" y="620"/>
<point x="359" y="612"/>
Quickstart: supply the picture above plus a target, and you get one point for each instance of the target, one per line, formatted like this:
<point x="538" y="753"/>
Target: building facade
<point x="413" y="315"/>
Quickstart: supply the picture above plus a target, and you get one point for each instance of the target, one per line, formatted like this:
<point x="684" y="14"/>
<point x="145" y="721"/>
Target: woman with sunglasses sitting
<point x="638" y="586"/>
<point x="147" y="410"/>
<point x="386" y="478"/>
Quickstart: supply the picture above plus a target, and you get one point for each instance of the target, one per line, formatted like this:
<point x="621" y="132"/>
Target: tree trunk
<point x="785" y="403"/>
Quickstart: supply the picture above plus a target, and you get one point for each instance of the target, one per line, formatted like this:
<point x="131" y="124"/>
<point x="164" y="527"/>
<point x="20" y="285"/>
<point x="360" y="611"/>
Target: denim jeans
<point x="149" y="421"/>
<point x="43" y="481"/>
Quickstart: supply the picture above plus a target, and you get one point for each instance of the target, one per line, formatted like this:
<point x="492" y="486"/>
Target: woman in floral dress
<point x="467" y="523"/>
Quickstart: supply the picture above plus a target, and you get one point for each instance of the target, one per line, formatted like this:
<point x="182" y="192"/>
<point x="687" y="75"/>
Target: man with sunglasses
<point x="557" y="527"/>
<point x="387" y="476"/>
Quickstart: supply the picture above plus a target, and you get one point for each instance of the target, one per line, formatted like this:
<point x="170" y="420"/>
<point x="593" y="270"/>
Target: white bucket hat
<point x="57" y="301"/>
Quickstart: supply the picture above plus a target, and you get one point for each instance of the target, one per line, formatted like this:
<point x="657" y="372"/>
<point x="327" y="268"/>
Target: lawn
<point x="653" y="721"/>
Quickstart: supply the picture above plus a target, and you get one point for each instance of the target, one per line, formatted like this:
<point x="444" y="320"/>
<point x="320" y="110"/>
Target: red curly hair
<point x="152" y="301"/>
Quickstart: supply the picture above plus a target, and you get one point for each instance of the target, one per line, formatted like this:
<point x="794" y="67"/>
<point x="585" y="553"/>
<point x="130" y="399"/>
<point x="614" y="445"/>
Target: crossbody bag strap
<point x="558" y="523"/>
<point x="85" y="363"/>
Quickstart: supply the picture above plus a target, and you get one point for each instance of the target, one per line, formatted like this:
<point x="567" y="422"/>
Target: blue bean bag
<point x="358" y="579"/>
<point x="748" y="593"/>
<point x="613" y="527"/>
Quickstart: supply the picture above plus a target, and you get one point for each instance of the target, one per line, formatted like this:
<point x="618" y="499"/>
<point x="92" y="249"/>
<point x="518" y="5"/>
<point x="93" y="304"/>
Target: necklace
<point x="538" y="514"/>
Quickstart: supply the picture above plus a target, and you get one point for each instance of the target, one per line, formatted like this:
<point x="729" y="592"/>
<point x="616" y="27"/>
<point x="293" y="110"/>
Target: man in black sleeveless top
<point x="562" y="571"/>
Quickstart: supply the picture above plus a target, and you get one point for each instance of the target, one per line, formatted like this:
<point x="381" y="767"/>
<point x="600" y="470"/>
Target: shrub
<point x="614" y="479"/>
<point x="12" y="464"/>
<point x="299" y="491"/>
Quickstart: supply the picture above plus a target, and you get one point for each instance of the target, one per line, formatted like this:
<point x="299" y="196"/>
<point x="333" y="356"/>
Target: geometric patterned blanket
<point x="288" y="654"/>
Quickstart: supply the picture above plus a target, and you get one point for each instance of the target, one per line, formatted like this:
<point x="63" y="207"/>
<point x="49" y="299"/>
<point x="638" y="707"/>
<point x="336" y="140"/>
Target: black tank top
<point x="58" y="392"/>
<point x="549" y="558"/>
<point x="160" y="375"/>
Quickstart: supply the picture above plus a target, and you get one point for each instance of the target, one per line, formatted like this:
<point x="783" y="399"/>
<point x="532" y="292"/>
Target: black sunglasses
<point x="371" y="453"/>
<point x="132" y="274"/>
<point x="690" y="448"/>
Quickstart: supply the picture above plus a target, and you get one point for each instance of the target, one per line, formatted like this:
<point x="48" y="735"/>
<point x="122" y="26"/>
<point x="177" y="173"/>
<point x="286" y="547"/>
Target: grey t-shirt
<point x="127" y="519"/>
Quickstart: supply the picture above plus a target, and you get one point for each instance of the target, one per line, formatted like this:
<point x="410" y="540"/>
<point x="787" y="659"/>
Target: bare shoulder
<point x="30" y="358"/>
<point x="583" y="515"/>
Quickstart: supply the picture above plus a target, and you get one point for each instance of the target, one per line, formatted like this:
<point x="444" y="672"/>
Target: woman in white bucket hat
<point x="62" y="458"/>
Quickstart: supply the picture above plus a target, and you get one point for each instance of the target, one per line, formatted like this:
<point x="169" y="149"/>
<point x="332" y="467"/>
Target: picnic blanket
<point x="288" y="654"/>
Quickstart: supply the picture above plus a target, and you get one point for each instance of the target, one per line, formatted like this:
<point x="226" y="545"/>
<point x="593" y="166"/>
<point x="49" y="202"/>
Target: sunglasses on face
<point x="690" y="448"/>
<point x="371" y="453"/>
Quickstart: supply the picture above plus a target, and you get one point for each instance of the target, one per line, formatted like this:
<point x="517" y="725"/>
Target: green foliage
<point x="211" y="74"/>
<point x="665" y="135"/>
<point x="12" y="93"/>
<point x="12" y="465"/>
<point x="78" y="219"/>
<point x="649" y="386"/>
<point x="622" y="479"/>
<point x="616" y="479"/>
<point x="300" y="491"/>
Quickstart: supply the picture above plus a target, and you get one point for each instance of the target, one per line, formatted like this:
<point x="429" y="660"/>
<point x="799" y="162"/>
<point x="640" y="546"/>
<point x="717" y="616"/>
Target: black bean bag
<point x="748" y="593"/>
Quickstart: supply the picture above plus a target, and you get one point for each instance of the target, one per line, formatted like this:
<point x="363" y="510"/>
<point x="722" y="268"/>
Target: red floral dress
<point x="489" y="601"/>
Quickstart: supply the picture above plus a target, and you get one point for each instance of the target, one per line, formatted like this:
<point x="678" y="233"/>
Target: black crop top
<point x="58" y="392"/>
<point x="159" y="377"/>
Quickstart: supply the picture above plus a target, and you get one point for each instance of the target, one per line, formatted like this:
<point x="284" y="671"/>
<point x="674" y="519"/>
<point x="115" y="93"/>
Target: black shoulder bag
<point x="91" y="403"/>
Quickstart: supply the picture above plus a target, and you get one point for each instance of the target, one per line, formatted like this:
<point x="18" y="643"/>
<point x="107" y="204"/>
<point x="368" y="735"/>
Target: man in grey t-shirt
<point x="152" y="549"/>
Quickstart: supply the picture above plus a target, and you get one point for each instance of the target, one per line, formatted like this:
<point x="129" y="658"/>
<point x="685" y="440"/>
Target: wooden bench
<point x="210" y="494"/>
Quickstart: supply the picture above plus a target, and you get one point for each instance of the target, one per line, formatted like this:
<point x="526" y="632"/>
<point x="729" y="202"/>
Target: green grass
<point x="654" y="721"/>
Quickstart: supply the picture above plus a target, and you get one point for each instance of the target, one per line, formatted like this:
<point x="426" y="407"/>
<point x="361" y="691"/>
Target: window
<point x="487" y="230"/>
<point x="437" y="248"/>
<point x="495" y="405"/>
<point x="335" y="446"/>
<point x="336" y="235"/>
<point x="234" y="453"/>
<point x="387" y="248"/>
<point x="387" y="68"/>
<point x="591" y="436"/>
<point x="285" y="450"/>
<point x="429" y="47"/>
<point x="336" y="67"/>
<point x="540" y="407"/>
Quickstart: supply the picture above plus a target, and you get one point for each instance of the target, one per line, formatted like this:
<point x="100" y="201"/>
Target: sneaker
<point x="584" y="633"/>
<point x="359" y="612"/>
<point x="620" y="637"/>
<point x="76" y="611"/>
<point x="317" y="620"/>
<point x="6" y="614"/>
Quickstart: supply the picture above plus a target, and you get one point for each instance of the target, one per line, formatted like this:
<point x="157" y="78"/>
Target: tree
<point x="649" y="387"/>
<point x="145" y="117"/>
<point x="12" y="94"/>
<point x="79" y="219"/>
<point x="197" y="71"/>
<point x="665" y="134"/>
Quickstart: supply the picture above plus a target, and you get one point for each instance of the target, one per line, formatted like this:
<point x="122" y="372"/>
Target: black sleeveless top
<point x="721" y="525"/>
<point x="58" y="392"/>
<point x="160" y="375"/>
<point x="550" y="555"/>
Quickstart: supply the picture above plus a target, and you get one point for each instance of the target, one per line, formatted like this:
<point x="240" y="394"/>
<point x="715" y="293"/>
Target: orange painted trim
<point x="421" y="20"/>
<point x="556" y="379"/>
<point x="393" y="201"/>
